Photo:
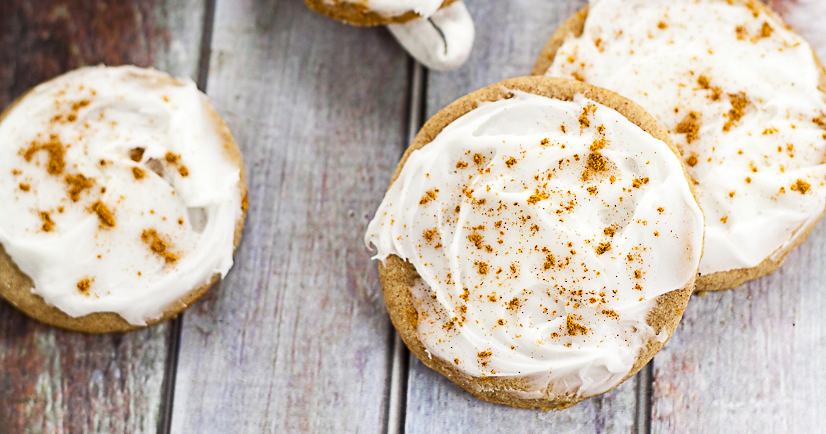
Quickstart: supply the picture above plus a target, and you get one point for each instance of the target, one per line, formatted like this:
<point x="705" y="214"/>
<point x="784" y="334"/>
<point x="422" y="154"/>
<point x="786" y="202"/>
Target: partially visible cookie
<point x="123" y="197"/>
<point x="437" y="33"/>
<point x="376" y="12"/>
<point x="744" y="98"/>
<point x="539" y="242"/>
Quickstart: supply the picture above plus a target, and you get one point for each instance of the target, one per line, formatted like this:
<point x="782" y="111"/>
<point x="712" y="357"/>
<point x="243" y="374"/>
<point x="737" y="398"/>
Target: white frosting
<point x="393" y="8"/>
<point x="97" y="116"/>
<point x="655" y="53"/>
<point x="496" y="195"/>
<point x="442" y="42"/>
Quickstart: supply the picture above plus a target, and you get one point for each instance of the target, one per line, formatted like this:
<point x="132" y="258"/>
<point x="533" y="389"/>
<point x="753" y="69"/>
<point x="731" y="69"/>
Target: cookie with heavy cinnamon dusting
<point x="110" y="234"/>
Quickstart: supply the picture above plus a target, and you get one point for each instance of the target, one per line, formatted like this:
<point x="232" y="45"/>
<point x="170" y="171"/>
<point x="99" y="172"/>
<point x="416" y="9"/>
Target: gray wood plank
<point x="53" y="381"/>
<point x="753" y="359"/>
<point x="510" y="35"/>
<point x="435" y="405"/>
<point x="297" y="339"/>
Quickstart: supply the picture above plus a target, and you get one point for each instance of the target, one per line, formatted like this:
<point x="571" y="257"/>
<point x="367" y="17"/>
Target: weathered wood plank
<point x="53" y="381"/>
<point x="297" y="338"/>
<point x="753" y="358"/>
<point x="510" y="35"/>
<point x="435" y="405"/>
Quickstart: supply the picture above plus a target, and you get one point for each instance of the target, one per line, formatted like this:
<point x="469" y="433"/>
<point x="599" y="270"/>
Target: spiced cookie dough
<point x="123" y="197"/>
<point x="438" y="33"/>
<point x="743" y="97"/>
<point x="539" y="242"/>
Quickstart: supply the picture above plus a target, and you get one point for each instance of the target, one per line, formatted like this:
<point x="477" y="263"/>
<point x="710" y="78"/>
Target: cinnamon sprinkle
<point x="800" y="186"/>
<point x="172" y="158"/>
<point x="54" y="148"/>
<point x="48" y="223"/>
<point x="429" y="195"/>
<point x="78" y="183"/>
<point x="738" y="107"/>
<point x="138" y="173"/>
<point x="596" y="162"/>
<point x="136" y="154"/>
<point x="157" y="245"/>
<point x="429" y="234"/>
<point x="689" y="126"/>
<point x="83" y="285"/>
<point x="104" y="214"/>
<point x="574" y="328"/>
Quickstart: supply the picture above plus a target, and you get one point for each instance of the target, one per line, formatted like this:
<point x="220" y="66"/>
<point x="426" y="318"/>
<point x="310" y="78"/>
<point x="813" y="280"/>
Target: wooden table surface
<point x="296" y="338"/>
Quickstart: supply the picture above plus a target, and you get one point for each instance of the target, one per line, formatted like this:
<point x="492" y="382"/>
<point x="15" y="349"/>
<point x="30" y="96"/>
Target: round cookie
<point x="359" y="13"/>
<point x="117" y="184"/>
<point x="731" y="259"/>
<point x="438" y="332"/>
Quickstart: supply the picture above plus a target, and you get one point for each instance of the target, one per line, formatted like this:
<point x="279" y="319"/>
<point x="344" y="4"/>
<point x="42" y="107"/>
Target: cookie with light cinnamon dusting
<point x="691" y="123"/>
<point x="399" y="277"/>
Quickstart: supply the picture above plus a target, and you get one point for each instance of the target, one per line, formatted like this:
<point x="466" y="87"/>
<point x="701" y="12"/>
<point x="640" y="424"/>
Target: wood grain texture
<point x="435" y="405"/>
<point x="59" y="382"/>
<point x="753" y="359"/>
<point x="509" y="35"/>
<point x="297" y="338"/>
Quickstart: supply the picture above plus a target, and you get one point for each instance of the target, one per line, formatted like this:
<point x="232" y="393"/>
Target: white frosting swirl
<point x="97" y="231"/>
<point x="528" y="270"/>
<point x="443" y="42"/>
<point x="755" y="141"/>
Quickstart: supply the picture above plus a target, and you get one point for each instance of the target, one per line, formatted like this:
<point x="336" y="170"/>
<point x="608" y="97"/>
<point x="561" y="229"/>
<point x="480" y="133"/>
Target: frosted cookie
<point x="743" y="97"/>
<point x="539" y="242"/>
<point x="438" y="33"/>
<point x="123" y="197"/>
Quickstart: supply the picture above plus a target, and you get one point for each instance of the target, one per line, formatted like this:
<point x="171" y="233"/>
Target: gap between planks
<point x="644" y="391"/>
<point x="397" y="406"/>
<point x="176" y="324"/>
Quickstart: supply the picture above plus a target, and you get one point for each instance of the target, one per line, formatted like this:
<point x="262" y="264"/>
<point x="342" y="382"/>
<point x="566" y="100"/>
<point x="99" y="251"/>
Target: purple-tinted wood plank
<point x="53" y="381"/>
<point x="297" y="338"/>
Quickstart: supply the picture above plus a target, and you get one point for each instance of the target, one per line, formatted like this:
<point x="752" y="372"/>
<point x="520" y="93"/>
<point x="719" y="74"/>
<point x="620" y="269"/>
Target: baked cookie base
<point x="398" y="276"/>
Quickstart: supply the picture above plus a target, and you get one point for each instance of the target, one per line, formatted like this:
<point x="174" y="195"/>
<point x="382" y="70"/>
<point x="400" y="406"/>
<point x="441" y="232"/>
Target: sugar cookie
<point x="539" y="242"/>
